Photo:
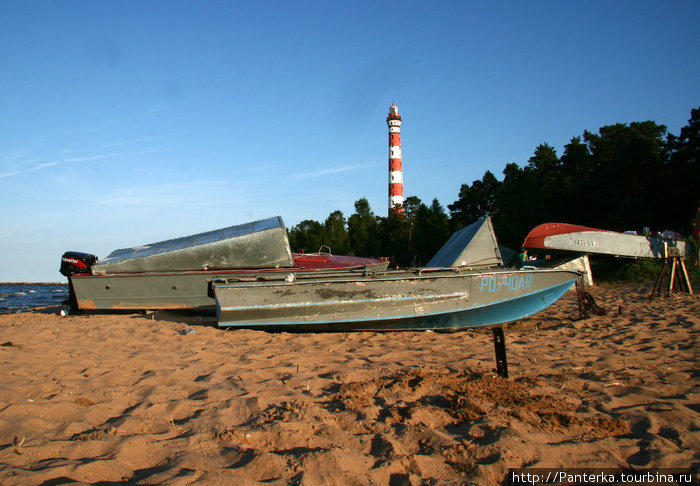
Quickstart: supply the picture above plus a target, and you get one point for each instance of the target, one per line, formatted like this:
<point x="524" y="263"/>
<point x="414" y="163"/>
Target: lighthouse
<point x="393" y="120"/>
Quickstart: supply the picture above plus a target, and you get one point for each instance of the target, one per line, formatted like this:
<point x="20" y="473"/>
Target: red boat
<point x="573" y="238"/>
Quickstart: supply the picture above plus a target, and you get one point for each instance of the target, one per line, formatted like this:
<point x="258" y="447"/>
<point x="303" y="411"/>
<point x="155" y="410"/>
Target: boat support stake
<point x="679" y="273"/>
<point x="499" y="343"/>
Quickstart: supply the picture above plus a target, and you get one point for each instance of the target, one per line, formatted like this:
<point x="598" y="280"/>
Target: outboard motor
<point x="73" y="262"/>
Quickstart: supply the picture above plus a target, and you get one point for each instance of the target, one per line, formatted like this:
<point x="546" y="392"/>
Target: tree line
<point x="624" y="177"/>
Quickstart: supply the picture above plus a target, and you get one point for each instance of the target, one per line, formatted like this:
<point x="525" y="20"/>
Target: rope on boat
<point x="586" y="302"/>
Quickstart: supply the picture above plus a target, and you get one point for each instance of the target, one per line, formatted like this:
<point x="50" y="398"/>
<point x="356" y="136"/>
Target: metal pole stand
<point x="679" y="273"/>
<point x="499" y="343"/>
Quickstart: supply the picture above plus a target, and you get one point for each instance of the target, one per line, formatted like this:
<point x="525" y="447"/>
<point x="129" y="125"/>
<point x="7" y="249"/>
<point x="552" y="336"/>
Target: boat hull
<point x="189" y="290"/>
<point x="562" y="237"/>
<point x="148" y="291"/>
<point x="260" y="244"/>
<point x="391" y="301"/>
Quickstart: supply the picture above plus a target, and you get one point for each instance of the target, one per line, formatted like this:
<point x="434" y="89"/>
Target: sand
<point x="168" y="398"/>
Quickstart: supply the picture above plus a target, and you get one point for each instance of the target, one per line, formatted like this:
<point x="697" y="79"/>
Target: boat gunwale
<point x="403" y="298"/>
<point x="212" y="271"/>
<point x="384" y="276"/>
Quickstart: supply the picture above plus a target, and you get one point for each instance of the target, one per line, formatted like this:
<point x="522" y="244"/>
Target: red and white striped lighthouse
<point x="393" y="120"/>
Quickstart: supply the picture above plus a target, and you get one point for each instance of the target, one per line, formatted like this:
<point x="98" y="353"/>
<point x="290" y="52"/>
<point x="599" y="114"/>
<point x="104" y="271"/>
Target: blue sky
<point x="124" y="123"/>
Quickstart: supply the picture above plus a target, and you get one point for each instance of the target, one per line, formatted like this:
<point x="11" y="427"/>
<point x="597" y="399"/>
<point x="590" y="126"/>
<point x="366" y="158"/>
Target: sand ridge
<point x="144" y="399"/>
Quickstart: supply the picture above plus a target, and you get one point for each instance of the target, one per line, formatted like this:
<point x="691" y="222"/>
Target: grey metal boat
<point x="260" y="244"/>
<point x="430" y="298"/>
<point x="177" y="273"/>
<point x="460" y="288"/>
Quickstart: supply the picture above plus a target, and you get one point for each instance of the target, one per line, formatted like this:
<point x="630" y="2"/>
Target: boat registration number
<point x="511" y="283"/>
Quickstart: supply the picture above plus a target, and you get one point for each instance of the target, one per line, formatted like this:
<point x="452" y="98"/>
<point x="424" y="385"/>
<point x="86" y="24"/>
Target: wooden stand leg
<point x="679" y="277"/>
<point x="689" y="287"/>
<point x="672" y="280"/>
<point x="659" y="279"/>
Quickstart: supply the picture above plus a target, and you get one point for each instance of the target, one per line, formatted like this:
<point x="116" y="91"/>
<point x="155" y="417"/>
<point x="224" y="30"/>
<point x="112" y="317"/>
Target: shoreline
<point x="34" y="283"/>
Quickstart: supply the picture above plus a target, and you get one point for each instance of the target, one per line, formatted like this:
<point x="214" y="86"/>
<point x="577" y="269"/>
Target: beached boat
<point x="571" y="238"/>
<point x="177" y="273"/>
<point x="428" y="298"/>
<point x="463" y="286"/>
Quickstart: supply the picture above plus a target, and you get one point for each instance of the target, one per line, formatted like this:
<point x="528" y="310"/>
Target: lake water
<point x="22" y="297"/>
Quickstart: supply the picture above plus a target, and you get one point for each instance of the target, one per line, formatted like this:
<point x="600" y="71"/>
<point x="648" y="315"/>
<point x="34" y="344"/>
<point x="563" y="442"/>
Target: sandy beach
<point x="168" y="398"/>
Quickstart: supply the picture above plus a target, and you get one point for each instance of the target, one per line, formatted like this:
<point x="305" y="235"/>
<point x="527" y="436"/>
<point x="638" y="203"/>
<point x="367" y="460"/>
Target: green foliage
<point x="307" y="235"/>
<point x="683" y="171"/>
<point x="362" y="230"/>
<point x="336" y="234"/>
<point x="431" y="231"/>
<point x="393" y="236"/>
<point x="621" y="269"/>
<point x="310" y="235"/>
<point x="475" y="201"/>
<point x="629" y="168"/>
<point x="409" y="239"/>
<point x="643" y="270"/>
<point x="625" y="176"/>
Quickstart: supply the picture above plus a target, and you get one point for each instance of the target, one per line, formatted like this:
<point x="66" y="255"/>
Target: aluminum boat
<point x="564" y="237"/>
<point x="429" y="298"/>
<point x="464" y="285"/>
<point x="177" y="273"/>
